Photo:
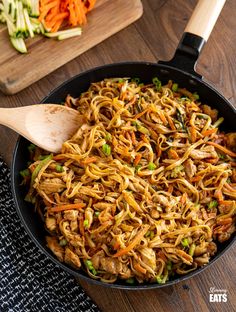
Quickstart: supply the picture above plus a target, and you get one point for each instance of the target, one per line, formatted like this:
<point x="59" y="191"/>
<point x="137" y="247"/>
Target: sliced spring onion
<point x="192" y="249"/>
<point x="97" y="213"/>
<point x="151" y="166"/>
<point x="106" y="149"/>
<point x="59" y="168"/>
<point x="175" y="87"/>
<point x="63" y="242"/>
<point x="130" y="280"/>
<point x="90" y="266"/>
<point x="184" y="242"/>
<point x="212" y="204"/>
<point x="86" y="223"/>
<point x="39" y="167"/>
<point x="25" y="173"/>
<point x="157" y="83"/>
<point x="196" y="96"/>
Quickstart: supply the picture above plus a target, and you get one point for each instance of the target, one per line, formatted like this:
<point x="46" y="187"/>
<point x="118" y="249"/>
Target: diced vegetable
<point x="106" y="149"/>
<point x="25" y="173"/>
<point x="59" y="168"/>
<point x="184" y="242"/>
<point x="157" y="83"/>
<point x="130" y="281"/>
<point x="90" y="266"/>
<point x="175" y="87"/>
<point x="151" y="166"/>
<point x="86" y="223"/>
<point x="192" y="249"/>
<point x="213" y="204"/>
<point x="63" y="242"/>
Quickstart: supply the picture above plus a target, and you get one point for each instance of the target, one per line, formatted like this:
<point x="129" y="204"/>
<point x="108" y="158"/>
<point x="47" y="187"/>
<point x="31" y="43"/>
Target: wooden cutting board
<point x="18" y="71"/>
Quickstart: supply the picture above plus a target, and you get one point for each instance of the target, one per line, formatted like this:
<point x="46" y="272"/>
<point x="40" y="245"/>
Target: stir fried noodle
<point x="143" y="190"/>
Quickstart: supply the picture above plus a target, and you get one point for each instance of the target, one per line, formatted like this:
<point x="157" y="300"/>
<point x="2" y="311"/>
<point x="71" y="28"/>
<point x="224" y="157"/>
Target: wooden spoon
<point x="46" y="125"/>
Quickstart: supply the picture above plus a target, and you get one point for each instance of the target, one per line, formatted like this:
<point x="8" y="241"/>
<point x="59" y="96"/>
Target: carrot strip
<point x="133" y="138"/>
<point x="139" y="268"/>
<point x="209" y="132"/>
<point x="67" y="207"/>
<point x="134" y="242"/>
<point x="116" y="246"/>
<point x="81" y="226"/>
<point x="219" y="195"/>
<point x="196" y="179"/>
<point x="222" y="148"/>
<point x="141" y="114"/>
<point x="170" y="188"/>
<point x="193" y="134"/>
<point x="89" y="160"/>
<point x="173" y="153"/>
<point x="170" y="121"/>
<point x="163" y="118"/>
<point x="137" y="159"/>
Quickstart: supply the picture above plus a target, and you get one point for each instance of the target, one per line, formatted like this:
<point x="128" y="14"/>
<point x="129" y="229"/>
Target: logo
<point x="217" y="295"/>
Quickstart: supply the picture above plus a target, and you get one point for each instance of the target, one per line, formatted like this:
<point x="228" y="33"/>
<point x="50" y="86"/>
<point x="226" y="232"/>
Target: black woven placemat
<point x="29" y="282"/>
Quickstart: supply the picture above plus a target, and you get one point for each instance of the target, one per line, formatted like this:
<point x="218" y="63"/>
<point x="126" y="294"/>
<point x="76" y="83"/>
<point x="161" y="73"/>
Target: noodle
<point x="142" y="191"/>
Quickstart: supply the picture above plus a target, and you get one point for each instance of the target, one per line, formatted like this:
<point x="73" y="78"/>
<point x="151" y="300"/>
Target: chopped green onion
<point x="90" y="266"/>
<point x="152" y="234"/>
<point x="151" y="166"/>
<point x="143" y="130"/>
<point x="63" y="242"/>
<point x="192" y="249"/>
<point x="106" y="149"/>
<point x="184" y="242"/>
<point x="221" y="156"/>
<point x="97" y="213"/>
<point x="130" y="280"/>
<point x="31" y="147"/>
<point x="108" y="137"/>
<point x="39" y="167"/>
<point x="157" y="83"/>
<point x="147" y="234"/>
<point x="212" y="204"/>
<point x="59" y="168"/>
<point x="25" y="173"/>
<point x="196" y="96"/>
<point x="136" y="80"/>
<point x="169" y="265"/>
<point x="176" y="171"/>
<point x="42" y="157"/>
<point x="134" y="123"/>
<point x="137" y="168"/>
<point x="86" y="223"/>
<point x="159" y="280"/>
<point x="120" y="80"/>
<point x="175" y="87"/>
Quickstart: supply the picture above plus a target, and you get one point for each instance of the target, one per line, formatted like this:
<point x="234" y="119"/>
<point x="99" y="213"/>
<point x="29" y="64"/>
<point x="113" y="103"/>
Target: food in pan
<point x="146" y="187"/>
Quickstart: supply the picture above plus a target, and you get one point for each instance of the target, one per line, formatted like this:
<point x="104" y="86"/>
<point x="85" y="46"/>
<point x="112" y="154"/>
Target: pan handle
<point x="196" y="35"/>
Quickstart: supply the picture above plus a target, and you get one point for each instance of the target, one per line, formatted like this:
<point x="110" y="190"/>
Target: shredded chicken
<point x="190" y="168"/>
<point x="206" y="152"/>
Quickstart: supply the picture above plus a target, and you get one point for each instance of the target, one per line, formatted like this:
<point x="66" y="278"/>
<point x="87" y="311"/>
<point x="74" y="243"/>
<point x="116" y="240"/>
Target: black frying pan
<point x="181" y="70"/>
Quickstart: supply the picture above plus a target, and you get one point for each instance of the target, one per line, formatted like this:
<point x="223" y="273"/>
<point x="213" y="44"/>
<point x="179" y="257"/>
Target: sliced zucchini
<point x="19" y="44"/>
<point x="63" y="34"/>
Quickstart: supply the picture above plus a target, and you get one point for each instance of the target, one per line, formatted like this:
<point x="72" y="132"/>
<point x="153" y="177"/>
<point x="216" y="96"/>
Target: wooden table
<point x="153" y="37"/>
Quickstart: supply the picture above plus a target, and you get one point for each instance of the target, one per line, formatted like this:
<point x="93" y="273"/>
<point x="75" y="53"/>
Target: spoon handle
<point x="14" y="118"/>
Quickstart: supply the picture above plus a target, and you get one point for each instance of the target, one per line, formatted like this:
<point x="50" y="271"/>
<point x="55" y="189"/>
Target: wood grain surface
<point x="45" y="55"/>
<point x="153" y="37"/>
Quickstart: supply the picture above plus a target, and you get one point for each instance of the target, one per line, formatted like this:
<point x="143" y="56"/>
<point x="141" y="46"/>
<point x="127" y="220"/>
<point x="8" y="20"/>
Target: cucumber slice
<point x="68" y="33"/>
<point x="28" y="24"/>
<point x="19" y="44"/>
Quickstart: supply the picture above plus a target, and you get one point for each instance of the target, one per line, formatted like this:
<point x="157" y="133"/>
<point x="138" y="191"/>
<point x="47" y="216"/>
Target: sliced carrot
<point x="81" y="226"/>
<point x="163" y="118"/>
<point x="209" y="132"/>
<point x="139" y="268"/>
<point x="134" y="242"/>
<point x="67" y="207"/>
<point x="141" y="114"/>
<point x="116" y="246"/>
<point x="196" y="179"/>
<point x="219" y="195"/>
<point x="137" y="159"/>
<point x="193" y="134"/>
<point x="133" y="138"/>
<point x="170" y="121"/>
<point x="89" y="160"/>
<point x="222" y="148"/>
<point x="173" y="154"/>
<point x="170" y="188"/>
